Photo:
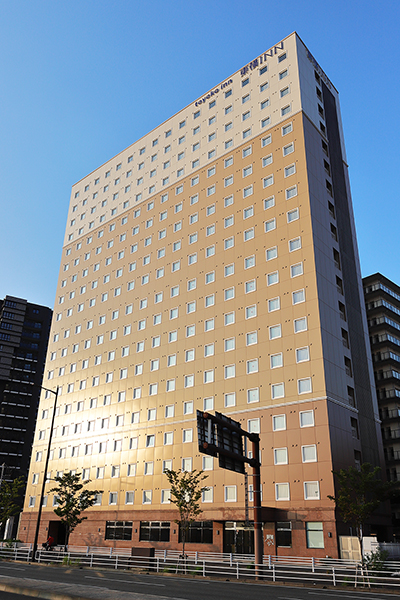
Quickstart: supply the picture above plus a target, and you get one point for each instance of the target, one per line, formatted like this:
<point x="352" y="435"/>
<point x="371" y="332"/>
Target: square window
<point x="170" y="387"/>
<point x="208" y="324"/>
<point x="229" y="293"/>
<point x="274" y="304"/>
<point x="189" y="381"/>
<point x="147" y="496"/>
<point x="300" y="324"/>
<point x="209" y="376"/>
<point x="229" y="318"/>
<point x="250" y="286"/>
<point x="273" y="278"/>
<point x="277" y="390"/>
<point x="229" y="371"/>
<point x="287" y="129"/>
<point x="288" y="149"/>
<point x="253" y="395"/>
<point x="189" y="355"/>
<point x="248" y="234"/>
<point x="280" y="456"/>
<point x="187" y="436"/>
<point x="230" y="399"/>
<point x="279" y="423"/>
<point x="311" y="490"/>
<point x="229" y="344"/>
<point x="294" y="244"/>
<point x="188" y="407"/>
<point x="270" y="225"/>
<point x="302" y="354"/>
<point x="251" y="338"/>
<point x="190" y="330"/>
<point x="187" y="464"/>
<point x="169" y="411"/>
<point x="247" y="191"/>
<point x="209" y="350"/>
<point x="276" y="360"/>
<point x="298" y="297"/>
<point x="230" y="493"/>
<point x="209" y="301"/>
<point x="282" y="491"/>
<point x="306" y="418"/>
<point x="275" y="331"/>
<point x="150" y="441"/>
<point x="168" y="438"/>
<point x="290" y="170"/>
<point x="251" y="311"/>
<point x="315" y="535"/>
<point x="252" y="366"/>
<point x="309" y="453"/>
<point x="296" y="270"/>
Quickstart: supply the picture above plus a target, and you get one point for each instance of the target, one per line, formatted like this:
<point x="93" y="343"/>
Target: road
<point x="51" y="581"/>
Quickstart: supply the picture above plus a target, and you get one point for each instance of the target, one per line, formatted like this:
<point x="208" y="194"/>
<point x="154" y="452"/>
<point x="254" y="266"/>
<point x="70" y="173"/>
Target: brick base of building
<point x="92" y="531"/>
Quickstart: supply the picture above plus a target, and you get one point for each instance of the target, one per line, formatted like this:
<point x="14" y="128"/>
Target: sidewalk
<point x="50" y="590"/>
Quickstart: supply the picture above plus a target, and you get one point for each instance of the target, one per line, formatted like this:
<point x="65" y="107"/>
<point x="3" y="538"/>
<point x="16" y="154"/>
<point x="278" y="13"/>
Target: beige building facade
<point x="213" y="265"/>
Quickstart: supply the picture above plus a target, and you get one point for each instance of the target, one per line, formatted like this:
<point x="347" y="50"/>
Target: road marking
<point x="125" y="581"/>
<point x="11" y="569"/>
<point x="361" y="597"/>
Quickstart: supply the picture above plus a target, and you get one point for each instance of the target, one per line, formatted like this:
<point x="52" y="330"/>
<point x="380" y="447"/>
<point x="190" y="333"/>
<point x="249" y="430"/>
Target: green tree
<point x="186" y="492"/>
<point x="10" y="498"/>
<point x="73" y="499"/>
<point x="360" y="492"/>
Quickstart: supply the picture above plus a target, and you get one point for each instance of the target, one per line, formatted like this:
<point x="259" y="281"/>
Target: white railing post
<point x="273" y="573"/>
<point x="333" y="576"/>
<point x="165" y="555"/>
<point x="204" y="568"/>
<point x="111" y="552"/>
<point x="87" y="550"/>
<point x="91" y="560"/>
<point x="230" y="560"/>
<point x="196" y="556"/>
<point x="269" y="561"/>
<point x="313" y="564"/>
<point x="237" y="570"/>
<point x="158" y="564"/>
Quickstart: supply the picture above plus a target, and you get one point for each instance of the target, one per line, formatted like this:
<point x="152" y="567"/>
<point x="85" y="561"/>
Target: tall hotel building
<point x="213" y="265"/>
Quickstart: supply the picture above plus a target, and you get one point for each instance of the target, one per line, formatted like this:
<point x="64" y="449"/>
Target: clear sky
<point x="80" y="80"/>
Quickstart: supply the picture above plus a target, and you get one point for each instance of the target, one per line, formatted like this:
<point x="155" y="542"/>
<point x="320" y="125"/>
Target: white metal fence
<point x="308" y="570"/>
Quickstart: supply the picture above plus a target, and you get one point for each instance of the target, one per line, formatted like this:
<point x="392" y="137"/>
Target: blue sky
<point x="80" y="80"/>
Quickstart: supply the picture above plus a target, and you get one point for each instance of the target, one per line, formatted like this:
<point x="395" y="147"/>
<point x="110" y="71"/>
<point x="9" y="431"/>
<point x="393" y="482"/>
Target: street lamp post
<point x="35" y="542"/>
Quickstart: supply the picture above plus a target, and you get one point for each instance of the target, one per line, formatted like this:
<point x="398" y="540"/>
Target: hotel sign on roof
<point x="254" y="64"/>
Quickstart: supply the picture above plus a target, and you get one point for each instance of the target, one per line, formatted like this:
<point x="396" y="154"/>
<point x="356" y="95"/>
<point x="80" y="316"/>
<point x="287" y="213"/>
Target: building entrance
<point x="57" y="532"/>
<point x="238" y="538"/>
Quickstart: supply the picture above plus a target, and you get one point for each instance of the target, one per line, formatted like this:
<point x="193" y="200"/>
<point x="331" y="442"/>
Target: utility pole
<point x="219" y="435"/>
<point x="35" y="542"/>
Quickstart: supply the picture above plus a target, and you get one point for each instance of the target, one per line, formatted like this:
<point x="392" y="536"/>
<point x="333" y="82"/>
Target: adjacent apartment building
<point x="24" y="335"/>
<point x="213" y="265"/>
<point x="382" y="299"/>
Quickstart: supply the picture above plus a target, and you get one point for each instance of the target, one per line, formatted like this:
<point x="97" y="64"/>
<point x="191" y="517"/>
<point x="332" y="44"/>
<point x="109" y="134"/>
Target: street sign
<point x="206" y="434"/>
<point x="230" y="440"/>
<point x="219" y="435"/>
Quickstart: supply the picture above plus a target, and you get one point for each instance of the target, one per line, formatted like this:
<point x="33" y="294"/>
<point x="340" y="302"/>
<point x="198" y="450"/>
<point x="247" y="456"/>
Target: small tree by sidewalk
<point x="10" y="496"/>
<point x="72" y="500"/>
<point x="186" y="492"/>
<point x="360" y="492"/>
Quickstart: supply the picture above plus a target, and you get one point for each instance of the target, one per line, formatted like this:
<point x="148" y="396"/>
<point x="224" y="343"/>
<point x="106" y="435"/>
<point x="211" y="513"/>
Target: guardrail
<point x="307" y="570"/>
